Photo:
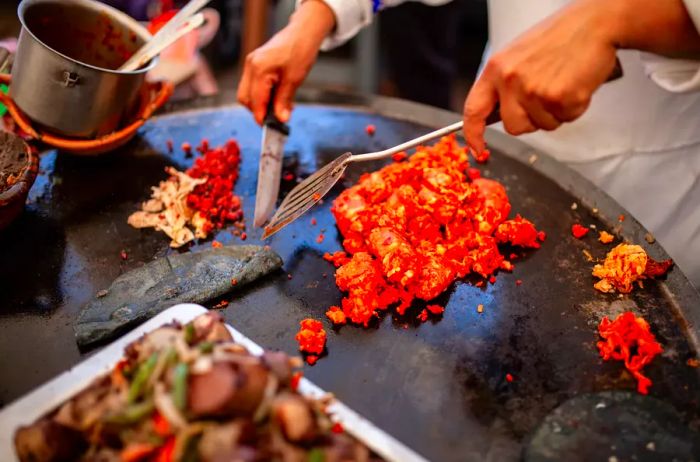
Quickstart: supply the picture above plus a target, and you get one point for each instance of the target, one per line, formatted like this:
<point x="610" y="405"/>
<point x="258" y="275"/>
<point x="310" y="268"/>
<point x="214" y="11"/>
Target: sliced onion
<point x="165" y="405"/>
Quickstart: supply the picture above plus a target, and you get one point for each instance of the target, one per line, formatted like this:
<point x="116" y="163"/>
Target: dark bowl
<point x="18" y="169"/>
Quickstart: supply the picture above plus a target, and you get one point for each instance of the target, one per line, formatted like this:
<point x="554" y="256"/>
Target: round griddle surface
<point x="440" y="387"/>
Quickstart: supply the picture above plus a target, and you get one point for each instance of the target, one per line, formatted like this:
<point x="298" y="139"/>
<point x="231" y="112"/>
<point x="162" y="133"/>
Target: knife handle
<point x="495" y="115"/>
<point x="270" y="119"/>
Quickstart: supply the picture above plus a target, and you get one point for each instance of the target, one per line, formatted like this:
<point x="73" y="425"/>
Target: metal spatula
<point x="311" y="190"/>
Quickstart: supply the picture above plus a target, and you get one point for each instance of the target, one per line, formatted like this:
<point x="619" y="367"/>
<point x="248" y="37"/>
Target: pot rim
<point x="130" y="22"/>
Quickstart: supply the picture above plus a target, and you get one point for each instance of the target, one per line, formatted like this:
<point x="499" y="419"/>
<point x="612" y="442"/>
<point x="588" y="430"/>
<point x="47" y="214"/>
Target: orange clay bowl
<point x="153" y="96"/>
<point x="18" y="168"/>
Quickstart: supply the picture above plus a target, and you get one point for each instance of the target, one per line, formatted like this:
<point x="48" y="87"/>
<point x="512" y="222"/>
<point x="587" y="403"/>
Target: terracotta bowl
<point x="18" y="169"/>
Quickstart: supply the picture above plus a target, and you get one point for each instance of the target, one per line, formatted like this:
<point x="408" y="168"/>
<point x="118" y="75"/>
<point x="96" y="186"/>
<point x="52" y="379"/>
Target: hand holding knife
<point x="274" y="136"/>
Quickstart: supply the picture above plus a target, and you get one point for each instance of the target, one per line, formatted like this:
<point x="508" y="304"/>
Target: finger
<point x="260" y="96"/>
<point x="538" y="115"/>
<point x="515" y="119"/>
<point x="284" y="98"/>
<point x="568" y="106"/>
<point x="244" y="86"/>
<point x="481" y="100"/>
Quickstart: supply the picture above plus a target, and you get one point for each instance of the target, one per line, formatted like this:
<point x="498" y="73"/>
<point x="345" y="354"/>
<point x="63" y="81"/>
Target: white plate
<point x="49" y="396"/>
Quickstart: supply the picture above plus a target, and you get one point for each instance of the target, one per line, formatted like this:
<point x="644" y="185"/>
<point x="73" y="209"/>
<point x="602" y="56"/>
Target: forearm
<point x="659" y="26"/>
<point x="315" y="18"/>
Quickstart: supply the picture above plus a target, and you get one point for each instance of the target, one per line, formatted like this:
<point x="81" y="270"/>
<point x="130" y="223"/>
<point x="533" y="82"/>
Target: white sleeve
<point x="676" y="75"/>
<point x="352" y="15"/>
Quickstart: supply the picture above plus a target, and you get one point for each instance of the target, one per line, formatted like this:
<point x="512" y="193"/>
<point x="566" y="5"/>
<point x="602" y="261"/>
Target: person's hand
<point x="546" y="76"/>
<point x="284" y="61"/>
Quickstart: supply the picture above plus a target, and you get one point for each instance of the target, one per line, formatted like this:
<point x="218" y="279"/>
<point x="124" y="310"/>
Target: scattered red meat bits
<point x="338" y="258"/>
<point x="186" y="147"/>
<point x="320" y="238"/>
<point x="216" y="244"/>
<point x="579" y="231"/>
<point x="123" y="255"/>
<point x="221" y="304"/>
<point x="509" y="378"/>
<point x="313" y="222"/>
<point x="621" y="218"/>
<point x="234" y="281"/>
<point x="435" y="309"/>
<point x="624" y="265"/>
<point x="629" y="339"/>
<point x="312" y="339"/>
<point x="518" y="231"/>
<point x="423" y="316"/>
<point x="336" y="315"/>
<point x="605" y="237"/>
<point x="473" y="173"/>
<point x="492" y="279"/>
<point x="370" y="129"/>
<point x="289" y="176"/>
<point x="399" y="156"/>
<point x="337" y="428"/>
<point x="518" y="282"/>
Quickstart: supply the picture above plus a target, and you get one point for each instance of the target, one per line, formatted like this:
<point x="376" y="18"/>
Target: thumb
<point x="480" y="102"/>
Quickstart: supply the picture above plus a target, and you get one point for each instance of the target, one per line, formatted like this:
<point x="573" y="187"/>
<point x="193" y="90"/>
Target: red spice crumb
<point x="320" y="238"/>
<point x="187" y="147"/>
<point x="289" y="176"/>
<point x="316" y="196"/>
<point x="311" y="338"/>
<point x="541" y="235"/>
<point x="337" y="428"/>
<point x="244" y="236"/>
<point x="289" y="276"/>
<point x="579" y="231"/>
<point x="518" y="282"/>
<point x="512" y="256"/>
<point x="480" y="308"/>
<point x="221" y="304"/>
<point x="311" y="359"/>
<point x="629" y="339"/>
<point x="313" y="222"/>
<point x="435" y="309"/>
<point x="605" y="237"/>
<point x="370" y="129"/>
<point x="336" y="315"/>
<point x="234" y="281"/>
<point x="483" y="157"/>
<point x="399" y="156"/>
<point x="338" y="258"/>
<point x="169" y="144"/>
<point x="479" y="283"/>
<point x="509" y="378"/>
<point x="123" y="255"/>
<point x="423" y="316"/>
<point x="492" y="279"/>
<point x="216" y="244"/>
<point x="693" y="362"/>
<point x="473" y="173"/>
<point x="621" y="218"/>
<point x="507" y="266"/>
<point x="203" y="146"/>
<point x="294" y="382"/>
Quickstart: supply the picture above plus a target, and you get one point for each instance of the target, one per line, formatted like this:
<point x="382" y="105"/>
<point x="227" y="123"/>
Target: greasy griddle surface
<point x="440" y="386"/>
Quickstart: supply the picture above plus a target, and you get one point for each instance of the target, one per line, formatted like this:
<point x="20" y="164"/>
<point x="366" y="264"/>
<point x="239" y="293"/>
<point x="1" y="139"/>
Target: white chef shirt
<point x="639" y="140"/>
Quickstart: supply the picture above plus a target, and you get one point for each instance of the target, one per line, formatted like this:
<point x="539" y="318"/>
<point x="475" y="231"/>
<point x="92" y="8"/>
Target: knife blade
<point x="274" y="136"/>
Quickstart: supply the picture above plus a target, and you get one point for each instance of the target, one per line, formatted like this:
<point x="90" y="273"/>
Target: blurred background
<point x="421" y="53"/>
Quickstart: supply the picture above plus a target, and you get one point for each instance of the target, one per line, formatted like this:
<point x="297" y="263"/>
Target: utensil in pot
<point x="65" y="76"/>
<point x="160" y="42"/>
<point x="311" y="190"/>
<point x="171" y="26"/>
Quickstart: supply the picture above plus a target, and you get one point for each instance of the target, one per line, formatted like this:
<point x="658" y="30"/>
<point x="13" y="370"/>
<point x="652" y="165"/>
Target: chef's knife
<point x="274" y="135"/>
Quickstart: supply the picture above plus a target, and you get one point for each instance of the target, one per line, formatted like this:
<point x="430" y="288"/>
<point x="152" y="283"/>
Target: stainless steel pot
<point x="63" y="75"/>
